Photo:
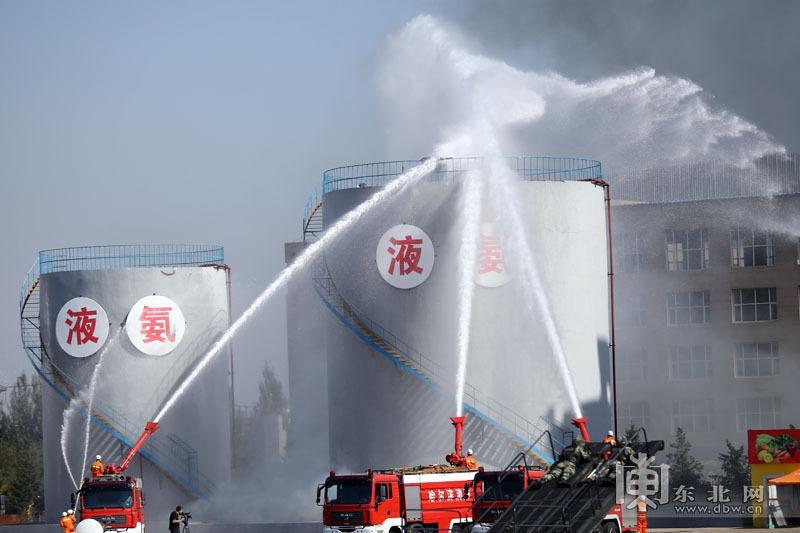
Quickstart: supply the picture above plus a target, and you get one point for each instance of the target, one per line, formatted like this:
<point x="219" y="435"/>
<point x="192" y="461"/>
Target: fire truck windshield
<point x="348" y="491"/>
<point x="109" y="498"/>
<point x="492" y="489"/>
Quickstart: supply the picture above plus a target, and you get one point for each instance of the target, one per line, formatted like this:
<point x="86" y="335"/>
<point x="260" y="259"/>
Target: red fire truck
<point x="113" y="499"/>
<point x="398" y="499"/>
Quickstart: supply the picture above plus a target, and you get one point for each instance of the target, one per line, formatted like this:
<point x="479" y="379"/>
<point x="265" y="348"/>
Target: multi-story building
<point x="708" y="306"/>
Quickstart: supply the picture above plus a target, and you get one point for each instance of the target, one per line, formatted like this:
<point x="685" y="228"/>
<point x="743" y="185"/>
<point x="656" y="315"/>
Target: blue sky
<point x="126" y="122"/>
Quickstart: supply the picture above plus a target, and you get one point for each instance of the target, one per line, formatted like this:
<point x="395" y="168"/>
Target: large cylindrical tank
<point x="191" y="452"/>
<point x="380" y="413"/>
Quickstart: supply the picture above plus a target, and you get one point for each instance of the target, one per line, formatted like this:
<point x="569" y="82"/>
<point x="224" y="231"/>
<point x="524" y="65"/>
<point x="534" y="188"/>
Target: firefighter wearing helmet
<point x="66" y="523"/>
<point x="609" y="439"/>
<point x="72" y="520"/>
<point x="97" y="467"/>
<point x="470" y="461"/>
<point x="609" y="469"/>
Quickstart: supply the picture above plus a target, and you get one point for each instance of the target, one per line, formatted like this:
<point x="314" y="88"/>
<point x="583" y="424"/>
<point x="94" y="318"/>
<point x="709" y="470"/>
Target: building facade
<point x="708" y="317"/>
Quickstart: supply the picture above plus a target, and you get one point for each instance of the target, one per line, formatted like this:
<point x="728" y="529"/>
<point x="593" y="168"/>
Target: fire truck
<point x="401" y="499"/>
<point x="449" y="497"/>
<point x="114" y="499"/>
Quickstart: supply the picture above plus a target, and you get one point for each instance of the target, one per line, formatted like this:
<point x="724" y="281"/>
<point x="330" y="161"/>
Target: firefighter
<point x="609" y="440"/>
<point x="610" y="468"/>
<point x="568" y="462"/>
<point x="641" y="514"/>
<point x="65" y="522"/>
<point x="97" y="467"/>
<point x="72" y="520"/>
<point x="470" y="461"/>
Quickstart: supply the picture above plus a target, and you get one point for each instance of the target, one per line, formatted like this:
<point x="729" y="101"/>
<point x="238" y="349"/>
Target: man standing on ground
<point x="175" y="520"/>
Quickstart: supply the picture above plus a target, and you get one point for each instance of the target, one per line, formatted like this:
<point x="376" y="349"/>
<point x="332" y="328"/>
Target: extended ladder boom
<point x="149" y="429"/>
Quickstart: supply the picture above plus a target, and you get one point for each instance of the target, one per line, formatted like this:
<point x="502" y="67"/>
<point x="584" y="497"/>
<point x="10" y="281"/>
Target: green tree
<point x="684" y="469"/>
<point x="271" y="399"/>
<point x="735" y="468"/>
<point x="21" y="475"/>
<point x="25" y="488"/>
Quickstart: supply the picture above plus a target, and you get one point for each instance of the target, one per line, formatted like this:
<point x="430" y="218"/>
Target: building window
<point x="693" y="415"/>
<point x="636" y="414"/>
<point x="690" y="362"/>
<point x="751" y="248"/>
<point x="756" y="359"/>
<point x="629" y="252"/>
<point x="689" y="308"/>
<point x="754" y="305"/>
<point x="758" y="413"/>
<point x="687" y="249"/>
<point x="632" y="366"/>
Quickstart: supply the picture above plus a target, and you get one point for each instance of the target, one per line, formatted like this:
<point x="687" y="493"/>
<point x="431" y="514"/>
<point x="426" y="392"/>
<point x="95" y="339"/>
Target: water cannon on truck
<point x="394" y="500"/>
<point x="113" y="499"/>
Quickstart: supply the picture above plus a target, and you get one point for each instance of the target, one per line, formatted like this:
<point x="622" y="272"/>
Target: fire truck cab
<point x="115" y="501"/>
<point x="495" y="490"/>
<point x="391" y="501"/>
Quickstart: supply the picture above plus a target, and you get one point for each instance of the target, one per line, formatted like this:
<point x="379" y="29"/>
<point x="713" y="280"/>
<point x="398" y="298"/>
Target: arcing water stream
<point x="471" y="219"/>
<point x="65" y="423"/>
<point x="660" y="118"/>
<point x="506" y="201"/>
<point x="347" y="221"/>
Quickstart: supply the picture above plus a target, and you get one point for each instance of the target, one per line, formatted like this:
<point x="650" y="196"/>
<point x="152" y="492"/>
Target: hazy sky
<point x="194" y="121"/>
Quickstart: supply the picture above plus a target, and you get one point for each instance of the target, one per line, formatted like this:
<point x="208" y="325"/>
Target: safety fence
<point x="129" y="256"/>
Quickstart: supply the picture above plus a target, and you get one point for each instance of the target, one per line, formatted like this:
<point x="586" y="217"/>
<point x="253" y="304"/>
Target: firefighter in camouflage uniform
<point x="568" y="462"/>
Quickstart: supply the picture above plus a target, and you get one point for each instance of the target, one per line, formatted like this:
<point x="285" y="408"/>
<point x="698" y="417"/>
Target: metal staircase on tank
<point x="500" y="432"/>
<point x="112" y="432"/>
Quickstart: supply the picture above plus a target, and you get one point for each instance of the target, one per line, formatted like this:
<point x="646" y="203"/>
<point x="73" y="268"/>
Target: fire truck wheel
<point x="609" y="527"/>
<point x="415" y="528"/>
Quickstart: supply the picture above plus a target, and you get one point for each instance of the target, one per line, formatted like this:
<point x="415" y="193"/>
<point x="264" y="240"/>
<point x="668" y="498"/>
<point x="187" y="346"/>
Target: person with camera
<point x="175" y="520"/>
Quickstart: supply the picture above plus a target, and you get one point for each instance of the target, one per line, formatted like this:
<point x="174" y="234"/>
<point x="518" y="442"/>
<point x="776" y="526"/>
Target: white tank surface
<point x="398" y="412"/>
<point x="89" y="526"/>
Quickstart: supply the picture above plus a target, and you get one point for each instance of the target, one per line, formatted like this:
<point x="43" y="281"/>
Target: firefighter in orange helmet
<point x="97" y="467"/>
<point x="470" y="461"/>
<point x="609" y="439"/>
<point x="65" y="522"/>
<point x="72" y="520"/>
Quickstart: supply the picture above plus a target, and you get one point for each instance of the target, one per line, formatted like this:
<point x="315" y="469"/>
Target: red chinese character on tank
<point x="406" y="253"/>
<point x="82" y="325"/>
<point x="156" y="324"/>
<point x="491" y="255"/>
